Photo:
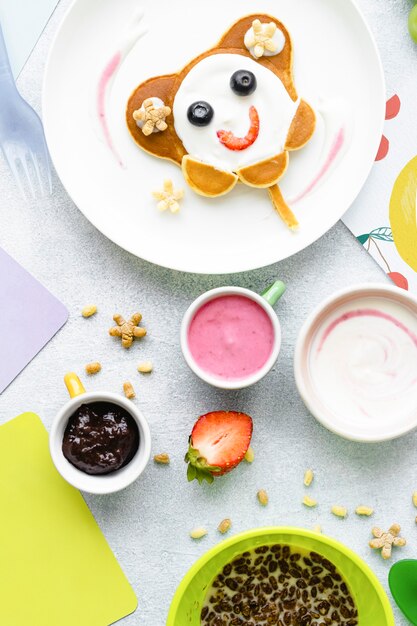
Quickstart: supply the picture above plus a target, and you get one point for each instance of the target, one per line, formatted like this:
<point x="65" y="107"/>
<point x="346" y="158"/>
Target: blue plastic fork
<point x="22" y="139"/>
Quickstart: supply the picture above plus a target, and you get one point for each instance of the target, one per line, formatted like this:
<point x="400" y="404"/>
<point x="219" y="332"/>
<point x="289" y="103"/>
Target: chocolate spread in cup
<point x="100" y="437"/>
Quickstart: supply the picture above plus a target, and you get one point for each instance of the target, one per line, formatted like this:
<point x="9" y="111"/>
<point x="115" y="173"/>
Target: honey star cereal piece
<point x="168" y="198"/>
<point x="387" y="540"/>
<point x="152" y="117"/>
<point x="262" y="38"/>
<point x="129" y="330"/>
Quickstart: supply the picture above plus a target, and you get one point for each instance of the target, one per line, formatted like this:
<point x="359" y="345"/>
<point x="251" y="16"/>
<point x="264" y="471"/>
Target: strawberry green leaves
<point x="217" y="444"/>
<point x="198" y="468"/>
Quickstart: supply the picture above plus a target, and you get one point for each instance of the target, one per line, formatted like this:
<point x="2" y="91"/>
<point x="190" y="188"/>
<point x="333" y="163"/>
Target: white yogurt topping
<point x="209" y="80"/>
<point x="363" y="362"/>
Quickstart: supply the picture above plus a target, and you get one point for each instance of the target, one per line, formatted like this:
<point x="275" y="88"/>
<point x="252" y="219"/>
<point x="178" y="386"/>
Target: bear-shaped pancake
<point x="232" y="114"/>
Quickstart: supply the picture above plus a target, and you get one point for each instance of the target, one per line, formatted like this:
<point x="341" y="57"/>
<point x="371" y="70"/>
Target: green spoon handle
<point x="273" y="293"/>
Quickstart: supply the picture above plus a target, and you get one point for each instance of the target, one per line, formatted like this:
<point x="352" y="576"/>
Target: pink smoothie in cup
<point x="231" y="337"/>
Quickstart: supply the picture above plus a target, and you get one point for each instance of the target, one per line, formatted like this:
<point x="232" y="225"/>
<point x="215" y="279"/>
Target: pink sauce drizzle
<point x="103" y="84"/>
<point x="334" y="151"/>
<point x="366" y="313"/>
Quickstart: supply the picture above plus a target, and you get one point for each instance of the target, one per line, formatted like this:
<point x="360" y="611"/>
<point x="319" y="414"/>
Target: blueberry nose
<point x="243" y="82"/>
<point x="200" y="113"/>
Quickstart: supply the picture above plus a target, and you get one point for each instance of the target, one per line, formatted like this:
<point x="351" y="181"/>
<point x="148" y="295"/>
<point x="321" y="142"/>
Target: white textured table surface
<point x="147" y="525"/>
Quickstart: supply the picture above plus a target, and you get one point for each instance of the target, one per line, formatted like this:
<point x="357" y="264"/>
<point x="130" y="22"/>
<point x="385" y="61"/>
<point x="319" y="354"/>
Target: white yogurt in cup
<point x="356" y="363"/>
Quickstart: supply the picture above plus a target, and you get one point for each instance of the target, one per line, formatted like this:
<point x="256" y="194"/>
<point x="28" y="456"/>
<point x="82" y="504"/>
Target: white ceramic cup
<point x="266" y="300"/>
<point x="105" y="483"/>
<point x="302" y="368"/>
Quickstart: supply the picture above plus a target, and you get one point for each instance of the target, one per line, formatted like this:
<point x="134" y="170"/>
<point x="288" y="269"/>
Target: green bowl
<point x="372" y="602"/>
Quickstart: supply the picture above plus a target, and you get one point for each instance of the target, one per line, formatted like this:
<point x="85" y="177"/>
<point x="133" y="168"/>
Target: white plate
<point x="335" y="56"/>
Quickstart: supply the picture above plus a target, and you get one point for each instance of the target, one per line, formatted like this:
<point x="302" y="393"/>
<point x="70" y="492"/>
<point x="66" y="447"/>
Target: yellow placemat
<point x="56" y="568"/>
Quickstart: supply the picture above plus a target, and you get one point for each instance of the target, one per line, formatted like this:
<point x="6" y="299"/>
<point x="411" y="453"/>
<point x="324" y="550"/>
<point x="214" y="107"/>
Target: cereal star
<point x="151" y="116"/>
<point x="168" y="198"/>
<point x="387" y="540"/>
<point x="261" y="40"/>
<point x="128" y="331"/>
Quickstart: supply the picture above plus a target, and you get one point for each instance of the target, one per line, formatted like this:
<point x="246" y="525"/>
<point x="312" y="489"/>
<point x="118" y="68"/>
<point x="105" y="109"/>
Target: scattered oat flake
<point x="128" y="390"/>
<point x="364" y="510"/>
<point x="308" y="477"/>
<point x="415" y="498"/>
<point x="250" y="455"/>
<point x="262" y="497"/>
<point x="310" y="502"/>
<point x="89" y="310"/>
<point x="317" y="529"/>
<point x="224" y="526"/>
<point x="93" y="368"/>
<point x="198" y="533"/>
<point x="145" y="367"/>
<point x="162" y="459"/>
<point x="339" y="511"/>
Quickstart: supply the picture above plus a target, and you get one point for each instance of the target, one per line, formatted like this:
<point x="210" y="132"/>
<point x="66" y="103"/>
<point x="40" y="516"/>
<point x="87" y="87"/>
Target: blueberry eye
<point x="243" y="83"/>
<point x="200" y="113"/>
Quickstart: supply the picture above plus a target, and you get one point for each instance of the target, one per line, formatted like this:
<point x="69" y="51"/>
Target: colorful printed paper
<point x="384" y="217"/>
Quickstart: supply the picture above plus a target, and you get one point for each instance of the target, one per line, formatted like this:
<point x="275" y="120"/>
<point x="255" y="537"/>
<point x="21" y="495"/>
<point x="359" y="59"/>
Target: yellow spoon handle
<point x="73" y="384"/>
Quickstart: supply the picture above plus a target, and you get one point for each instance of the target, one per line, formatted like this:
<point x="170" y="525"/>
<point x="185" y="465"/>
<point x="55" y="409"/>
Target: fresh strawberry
<point x="217" y="444"/>
<point x="230" y="141"/>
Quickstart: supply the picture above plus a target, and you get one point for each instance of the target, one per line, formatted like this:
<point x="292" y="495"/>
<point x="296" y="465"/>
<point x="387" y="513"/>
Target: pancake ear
<point x="302" y="127"/>
<point x="165" y="144"/>
<point x="207" y="180"/>
<point x="280" y="63"/>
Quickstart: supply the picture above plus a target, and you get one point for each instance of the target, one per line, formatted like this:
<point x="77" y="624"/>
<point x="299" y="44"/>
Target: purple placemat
<point x="29" y="317"/>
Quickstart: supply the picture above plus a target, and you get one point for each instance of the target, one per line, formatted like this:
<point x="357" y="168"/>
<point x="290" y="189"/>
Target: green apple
<point x="412" y="23"/>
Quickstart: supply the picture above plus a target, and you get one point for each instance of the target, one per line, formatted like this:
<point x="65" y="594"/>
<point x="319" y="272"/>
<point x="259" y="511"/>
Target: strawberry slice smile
<point x="230" y="141"/>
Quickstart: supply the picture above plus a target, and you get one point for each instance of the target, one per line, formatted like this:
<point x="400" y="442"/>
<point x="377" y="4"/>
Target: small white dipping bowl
<point x="374" y="430"/>
<point x="238" y="383"/>
<point x="105" y="483"/>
